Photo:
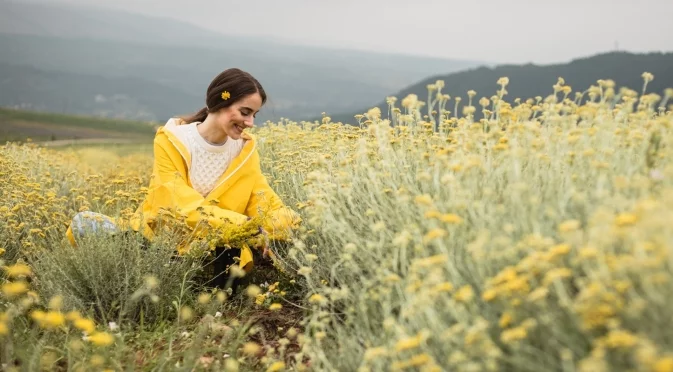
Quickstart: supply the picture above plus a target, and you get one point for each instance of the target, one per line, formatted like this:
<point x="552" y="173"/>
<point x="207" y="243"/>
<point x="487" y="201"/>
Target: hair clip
<point x="225" y="95"/>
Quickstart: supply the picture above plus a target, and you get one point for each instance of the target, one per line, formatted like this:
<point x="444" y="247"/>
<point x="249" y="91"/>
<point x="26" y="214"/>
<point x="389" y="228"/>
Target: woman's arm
<point x="172" y="192"/>
<point x="279" y="220"/>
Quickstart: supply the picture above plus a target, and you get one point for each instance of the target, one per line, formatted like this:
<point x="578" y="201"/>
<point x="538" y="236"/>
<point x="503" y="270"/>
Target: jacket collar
<point x="232" y="173"/>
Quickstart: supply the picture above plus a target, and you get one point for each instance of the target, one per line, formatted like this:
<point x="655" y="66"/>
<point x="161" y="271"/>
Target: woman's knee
<point x="84" y="223"/>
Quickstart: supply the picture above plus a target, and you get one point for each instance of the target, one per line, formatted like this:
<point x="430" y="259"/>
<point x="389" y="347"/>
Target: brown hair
<point x="236" y="82"/>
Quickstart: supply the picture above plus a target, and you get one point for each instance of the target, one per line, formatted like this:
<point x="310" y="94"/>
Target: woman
<point x="207" y="172"/>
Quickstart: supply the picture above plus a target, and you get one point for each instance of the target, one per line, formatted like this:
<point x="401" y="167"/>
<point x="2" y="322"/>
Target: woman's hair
<point x="227" y="88"/>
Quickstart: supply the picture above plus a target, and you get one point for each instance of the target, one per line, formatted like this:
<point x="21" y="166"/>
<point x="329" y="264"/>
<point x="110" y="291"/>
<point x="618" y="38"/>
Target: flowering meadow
<point x="488" y="233"/>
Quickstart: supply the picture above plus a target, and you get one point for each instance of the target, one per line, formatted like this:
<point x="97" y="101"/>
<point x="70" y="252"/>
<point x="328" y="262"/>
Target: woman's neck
<point x="211" y="133"/>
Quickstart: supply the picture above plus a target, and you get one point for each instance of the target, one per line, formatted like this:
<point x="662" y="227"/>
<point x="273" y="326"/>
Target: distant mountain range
<point x="529" y="80"/>
<point x="95" y="61"/>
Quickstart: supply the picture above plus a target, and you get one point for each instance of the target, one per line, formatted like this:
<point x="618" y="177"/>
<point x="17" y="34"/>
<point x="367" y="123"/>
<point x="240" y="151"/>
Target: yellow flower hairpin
<point x="225" y="95"/>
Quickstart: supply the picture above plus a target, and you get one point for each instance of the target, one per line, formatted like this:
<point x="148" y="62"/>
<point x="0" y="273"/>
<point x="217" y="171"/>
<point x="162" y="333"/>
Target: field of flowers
<point x="490" y="233"/>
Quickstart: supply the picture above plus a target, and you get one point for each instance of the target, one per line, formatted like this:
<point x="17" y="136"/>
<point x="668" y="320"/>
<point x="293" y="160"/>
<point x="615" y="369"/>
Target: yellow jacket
<point x="240" y="193"/>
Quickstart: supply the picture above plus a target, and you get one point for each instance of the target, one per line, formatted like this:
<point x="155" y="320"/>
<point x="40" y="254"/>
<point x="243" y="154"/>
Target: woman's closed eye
<point x="247" y="113"/>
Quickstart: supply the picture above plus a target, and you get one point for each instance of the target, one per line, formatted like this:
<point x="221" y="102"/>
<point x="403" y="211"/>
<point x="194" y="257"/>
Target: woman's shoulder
<point x="174" y="129"/>
<point x="175" y="122"/>
<point x="173" y="125"/>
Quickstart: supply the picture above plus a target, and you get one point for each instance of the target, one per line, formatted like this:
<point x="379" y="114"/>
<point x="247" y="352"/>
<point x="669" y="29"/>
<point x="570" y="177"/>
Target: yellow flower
<point x="260" y="298"/>
<point x="251" y="348"/>
<point x="13" y="289"/>
<point x="304" y="270"/>
<point x="38" y="315"/>
<point x="588" y="252"/>
<point x="226" y="95"/>
<point x="513" y="335"/>
<point x="664" y="365"/>
<point x="409" y="343"/>
<point x="186" y="313"/>
<point x="276" y="366"/>
<point x="253" y="290"/>
<point x="415" y="361"/>
<point x="231" y="365"/>
<point x="151" y="282"/>
<point x="625" y="219"/>
<point x="558" y="273"/>
<point x="451" y="218"/>
<point x="4" y="330"/>
<point x="86" y="325"/>
<point x="73" y="315"/>
<point x="424" y="199"/>
<point x="434" y="234"/>
<point x="53" y="319"/>
<point x="620" y="339"/>
<point x="431" y="261"/>
<point x="464" y="294"/>
<point x="374" y="113"/>
<point x="597" y="316"/>
<point x="18" y="270"/>
<point x="444" y="287"/>
<point x="56" y="302"/>
<point x="489" y="294"/>
<point x="622" y="285"/>
<point x="432" y="214"/>
<point x="373" y="353"/>
<point x="501" y="147"/>
<point x="275" y="306"/>
<point x="274" y="286"/>
<point x="97" y="360"/>
<point x="568" y="226"/>
<point x="204" y="298"/>
<point x="101" y="339"/>
<point x="556" y="251"/>
<point x="538" y="294"/>
<point x="316" y="298"/>
<point x="505" y="320"/>
<point x="48" y="320"/>
<point x="503" y="81"/>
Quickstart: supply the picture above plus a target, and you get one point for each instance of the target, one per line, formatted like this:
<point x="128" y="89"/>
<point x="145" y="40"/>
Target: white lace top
<point x="209" y="160"/>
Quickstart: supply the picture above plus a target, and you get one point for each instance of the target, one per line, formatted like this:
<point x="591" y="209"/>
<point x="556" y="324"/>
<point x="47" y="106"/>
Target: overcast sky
<point x="518" y="31"/>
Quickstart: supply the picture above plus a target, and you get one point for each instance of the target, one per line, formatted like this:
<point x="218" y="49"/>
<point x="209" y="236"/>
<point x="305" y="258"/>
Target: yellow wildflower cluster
<point x="268" y="296"/>
<point x="23" y="308"/>
<point x="40" y="192"/>
<point x="526" y="224"/>
<point x="482" y="233"/>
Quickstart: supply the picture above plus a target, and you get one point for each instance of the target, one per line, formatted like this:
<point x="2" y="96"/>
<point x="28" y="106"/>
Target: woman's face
<point x="239" y="116"/>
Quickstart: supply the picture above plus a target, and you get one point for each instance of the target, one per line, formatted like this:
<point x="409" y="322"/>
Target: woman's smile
<point x="239" y="128"/>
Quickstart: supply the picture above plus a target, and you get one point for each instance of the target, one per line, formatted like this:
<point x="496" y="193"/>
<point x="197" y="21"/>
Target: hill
<point x="29" y="88"/>
<point x="530" y="80"/>
<point x="182" y="58"/>
<point x="18" y="125"/>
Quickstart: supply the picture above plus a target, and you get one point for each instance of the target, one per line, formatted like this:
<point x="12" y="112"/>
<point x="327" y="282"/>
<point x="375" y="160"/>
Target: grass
<point x="117" y="149"/>
<point x="531" y="235"/>
<point x="16" y="125"/>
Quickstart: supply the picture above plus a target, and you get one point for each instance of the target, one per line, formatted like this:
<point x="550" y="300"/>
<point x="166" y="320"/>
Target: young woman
<point x="207" y="170"/>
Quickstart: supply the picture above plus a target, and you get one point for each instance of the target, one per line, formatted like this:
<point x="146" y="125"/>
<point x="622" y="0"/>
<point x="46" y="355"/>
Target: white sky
<point x="516" y="31"/>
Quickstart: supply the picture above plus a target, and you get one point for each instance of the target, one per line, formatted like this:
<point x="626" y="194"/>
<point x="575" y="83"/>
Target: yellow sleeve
<point x="172" y="192"/>
<point x="278" y="220"/>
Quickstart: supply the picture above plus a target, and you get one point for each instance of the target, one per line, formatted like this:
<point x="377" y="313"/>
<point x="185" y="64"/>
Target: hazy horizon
<point x="538" y="33"/>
